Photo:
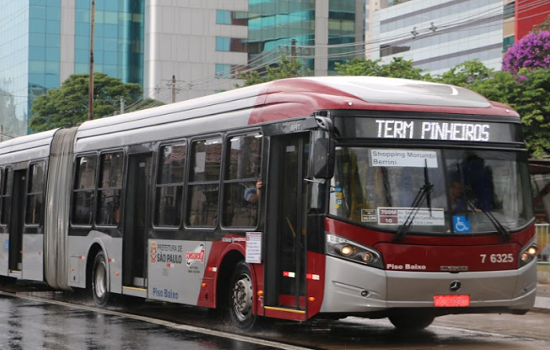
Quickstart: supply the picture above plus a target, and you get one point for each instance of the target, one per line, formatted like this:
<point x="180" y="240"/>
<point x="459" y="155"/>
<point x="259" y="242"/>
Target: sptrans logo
<point x="197" y="255"/>
<point x="153" y="252"/>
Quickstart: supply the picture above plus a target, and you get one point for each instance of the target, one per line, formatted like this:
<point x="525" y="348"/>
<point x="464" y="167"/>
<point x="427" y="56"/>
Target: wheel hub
<point x="242" y="297"/>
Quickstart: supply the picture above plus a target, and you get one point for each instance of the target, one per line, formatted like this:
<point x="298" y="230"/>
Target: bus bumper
<point x="352" y="288"/>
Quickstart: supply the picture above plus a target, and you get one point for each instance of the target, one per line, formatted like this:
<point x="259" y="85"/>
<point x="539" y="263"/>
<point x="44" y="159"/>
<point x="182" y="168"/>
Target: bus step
<point x="133" y="291"/>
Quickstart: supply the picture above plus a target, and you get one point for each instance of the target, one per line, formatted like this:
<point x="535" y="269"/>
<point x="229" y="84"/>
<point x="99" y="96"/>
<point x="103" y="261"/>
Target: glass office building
<point x="309" y="30"/>
<point x="118" y="38"/>
<point x="29" y="58"/>
<point x="175" y="50"/>
<point x="39" y="48"/>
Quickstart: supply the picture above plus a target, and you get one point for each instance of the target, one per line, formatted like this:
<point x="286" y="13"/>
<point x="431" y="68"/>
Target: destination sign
<point x="433" y="130"/>
<point x="437" y="130"/>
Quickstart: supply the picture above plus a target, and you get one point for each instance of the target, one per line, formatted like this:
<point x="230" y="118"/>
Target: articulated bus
<point x="373" y="197"/>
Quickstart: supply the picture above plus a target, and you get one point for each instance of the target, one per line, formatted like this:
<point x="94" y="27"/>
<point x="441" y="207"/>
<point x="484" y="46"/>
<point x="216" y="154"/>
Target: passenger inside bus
<point x="458" y="200"/>
<point x="252" y="194"/>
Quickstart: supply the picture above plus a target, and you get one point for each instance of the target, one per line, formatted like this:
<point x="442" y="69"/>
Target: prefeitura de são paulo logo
<point x="197" y="255"/>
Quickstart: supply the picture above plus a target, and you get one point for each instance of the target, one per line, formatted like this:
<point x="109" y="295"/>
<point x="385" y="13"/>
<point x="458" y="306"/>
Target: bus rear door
<point x="136" y="223"/>
<point x="285" y="228"/>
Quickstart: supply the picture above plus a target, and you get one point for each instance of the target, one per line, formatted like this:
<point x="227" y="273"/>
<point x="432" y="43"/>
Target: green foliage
<point x="528" y="95"/>
<point x="68" y="106"/>
<point x="465" y="74"/>
<point x="286" y="68"/>
<point x="544" y="26"/>
<point x="530" y="98"/>
<point x="397" y="68"/>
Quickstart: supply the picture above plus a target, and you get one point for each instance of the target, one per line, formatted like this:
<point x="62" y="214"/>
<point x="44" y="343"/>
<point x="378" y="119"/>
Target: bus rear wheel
<point x="99" y="280"/>
<point x="411" y="321"/>
<point x="241" y="298"/>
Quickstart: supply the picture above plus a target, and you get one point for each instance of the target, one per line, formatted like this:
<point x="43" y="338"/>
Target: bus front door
<point x="285" y="226"/>
<point x="135" y="221"/>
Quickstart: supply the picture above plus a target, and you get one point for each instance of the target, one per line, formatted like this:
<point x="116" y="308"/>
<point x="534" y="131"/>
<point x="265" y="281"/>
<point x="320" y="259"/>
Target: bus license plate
<point x="451" y="300"/>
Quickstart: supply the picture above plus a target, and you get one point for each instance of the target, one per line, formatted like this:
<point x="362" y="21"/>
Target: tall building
<point x="439" y="34"/>
<point x="320" y="32"/>
<point x="42" y="42"/>
<point x="529" y="13"/>
<point x="176" y="50"/>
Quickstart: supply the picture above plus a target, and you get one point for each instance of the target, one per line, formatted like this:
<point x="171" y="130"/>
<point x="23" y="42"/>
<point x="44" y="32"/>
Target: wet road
<point x="47" y="320"/>
<point x="35" y="324"/>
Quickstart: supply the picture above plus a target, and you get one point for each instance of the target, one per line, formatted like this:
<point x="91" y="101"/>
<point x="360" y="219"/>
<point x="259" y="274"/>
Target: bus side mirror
<point x="323" y="158"/>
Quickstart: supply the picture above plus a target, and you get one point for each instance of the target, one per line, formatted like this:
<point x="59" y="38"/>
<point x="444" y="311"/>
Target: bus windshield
<point x="441" y="190"/>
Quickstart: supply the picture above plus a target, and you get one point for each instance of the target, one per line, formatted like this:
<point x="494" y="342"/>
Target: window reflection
<point x="378" y="187"/>
<point x="241" y="193"/>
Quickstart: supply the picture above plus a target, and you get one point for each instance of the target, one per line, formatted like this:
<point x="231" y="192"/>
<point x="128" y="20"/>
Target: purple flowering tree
<point x="531" y="51"/>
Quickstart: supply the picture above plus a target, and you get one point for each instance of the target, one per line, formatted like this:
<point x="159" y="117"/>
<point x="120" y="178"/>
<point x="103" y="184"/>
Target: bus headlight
<point x="528" y="253"/>
<point x="345" y="249"/>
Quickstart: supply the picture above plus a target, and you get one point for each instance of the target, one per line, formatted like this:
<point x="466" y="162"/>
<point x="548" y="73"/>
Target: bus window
<point x="35" y="193"/>
<point x="378" y="188"/>
<point x="170" y="185"/>
<point x="240" y="207"/>
<point x="7" y="175"/>
<point x="84" y="190"/>
<point x="110" y="185"/>
<point x="202" y="208"/>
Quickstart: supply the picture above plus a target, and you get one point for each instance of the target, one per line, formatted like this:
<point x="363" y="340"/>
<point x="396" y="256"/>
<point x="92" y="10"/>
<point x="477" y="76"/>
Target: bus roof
<point x="294" y="97"/>
<point x="277" y="100"/>
<point x="33" y="146"/>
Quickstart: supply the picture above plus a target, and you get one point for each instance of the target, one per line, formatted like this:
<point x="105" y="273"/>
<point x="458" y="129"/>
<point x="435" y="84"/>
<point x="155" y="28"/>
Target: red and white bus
<point x="376" y="197"/>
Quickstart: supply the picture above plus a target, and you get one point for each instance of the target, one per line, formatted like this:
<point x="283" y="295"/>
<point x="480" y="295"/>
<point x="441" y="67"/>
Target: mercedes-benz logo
<point x="455" y="286"/>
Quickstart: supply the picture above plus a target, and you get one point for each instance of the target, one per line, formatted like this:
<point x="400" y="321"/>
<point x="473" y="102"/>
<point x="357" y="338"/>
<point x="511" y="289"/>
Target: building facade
<point x="42" y="42"/>
<point x="529" y="14"/>
<point x="176" y="50"/>
<point x="439" y="34"/>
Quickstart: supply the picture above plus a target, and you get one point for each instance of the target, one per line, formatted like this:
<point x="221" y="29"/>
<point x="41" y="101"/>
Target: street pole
<point x="173" y="88"/>
<point x="91" y="86"/>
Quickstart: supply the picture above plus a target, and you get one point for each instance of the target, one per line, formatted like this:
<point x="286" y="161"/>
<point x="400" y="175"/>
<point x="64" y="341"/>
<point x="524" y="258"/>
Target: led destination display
<point x="437" y="130"/>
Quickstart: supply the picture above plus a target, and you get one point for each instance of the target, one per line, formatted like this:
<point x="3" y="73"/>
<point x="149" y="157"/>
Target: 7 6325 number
<point x="497" y="258"/>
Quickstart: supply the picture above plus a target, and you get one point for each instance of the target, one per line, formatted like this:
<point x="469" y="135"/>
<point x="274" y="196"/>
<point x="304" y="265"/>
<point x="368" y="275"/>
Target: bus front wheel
<point x="411" y="321"/>
<point x="241" y="298"/>
<point x="99" y="280"/>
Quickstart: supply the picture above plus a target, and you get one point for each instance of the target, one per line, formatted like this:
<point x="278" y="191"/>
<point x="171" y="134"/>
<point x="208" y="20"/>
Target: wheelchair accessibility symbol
<point x="461" y="223"/>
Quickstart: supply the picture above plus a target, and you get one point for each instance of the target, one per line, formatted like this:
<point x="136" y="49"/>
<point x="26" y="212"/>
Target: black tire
<point x="241" y="298"/>
<point x="411" y="321"/>
<point x="100" y="289"/>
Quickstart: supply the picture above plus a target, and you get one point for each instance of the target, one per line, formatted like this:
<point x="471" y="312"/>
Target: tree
<point x="466" y="74"/>
<point x="285" y="68"/>
<point x="68" y="106"/>
<point x="543" y="26"/>
<point x="527" y="93"/>
<point x="531" y="51"/>
<point x="397" y="68"/>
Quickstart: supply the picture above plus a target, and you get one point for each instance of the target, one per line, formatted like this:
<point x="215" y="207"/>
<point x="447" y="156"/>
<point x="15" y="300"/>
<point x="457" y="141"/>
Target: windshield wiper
<point x="474" y="203"/>
<point x="424" y="192"/>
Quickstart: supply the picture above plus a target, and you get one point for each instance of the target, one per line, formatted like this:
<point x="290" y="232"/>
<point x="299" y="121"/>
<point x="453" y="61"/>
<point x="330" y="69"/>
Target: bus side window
<point x="242" y="173"/>
<point x="109" y="189"/>
<point x="35" y="193"/>
<point x="204" y="177"/>
<point x="84" y="190"/>
<point x="7" y="176"/>
<point x="169" y="188"/>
